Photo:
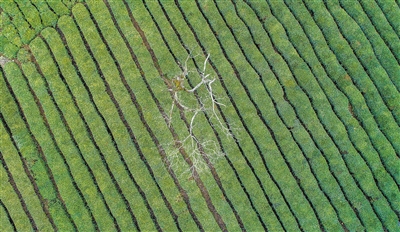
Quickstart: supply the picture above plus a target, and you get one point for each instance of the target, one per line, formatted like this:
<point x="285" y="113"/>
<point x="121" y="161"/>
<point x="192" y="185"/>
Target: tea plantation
<point x="200" y="115"/>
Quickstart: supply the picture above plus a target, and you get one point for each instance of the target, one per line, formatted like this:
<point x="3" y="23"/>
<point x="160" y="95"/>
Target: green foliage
<point x="58" y="6"/>
<point x="390" y="11"/>
<point x="34" y="161"/>
<point x="15" y="166"/>
<point x="48" y="18"/>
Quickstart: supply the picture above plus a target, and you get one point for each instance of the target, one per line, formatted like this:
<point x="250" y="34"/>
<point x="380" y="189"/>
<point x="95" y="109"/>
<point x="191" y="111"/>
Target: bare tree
<point x="197" y="148"/>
